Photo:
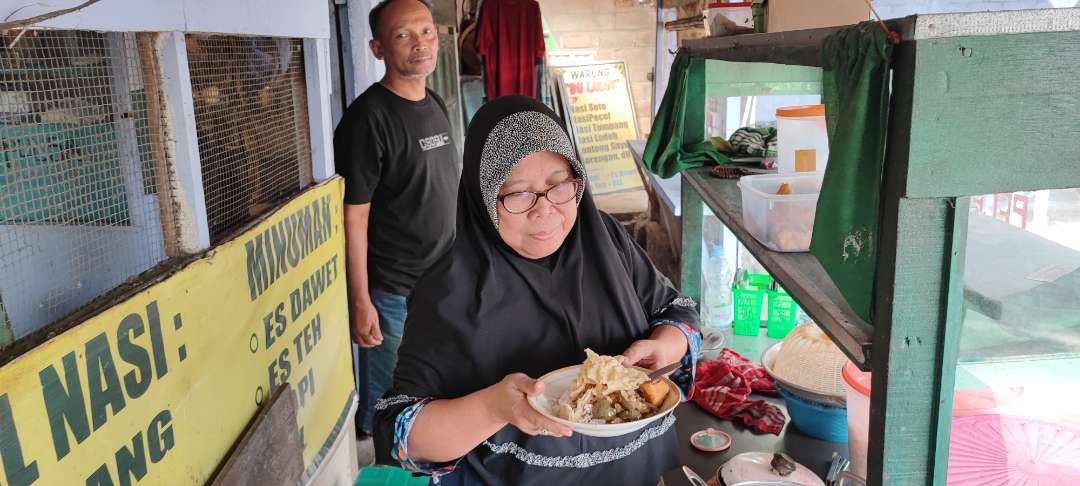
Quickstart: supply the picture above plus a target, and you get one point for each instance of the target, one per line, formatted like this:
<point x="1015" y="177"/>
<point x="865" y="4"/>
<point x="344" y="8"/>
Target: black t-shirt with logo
<point x="397" y="155"/>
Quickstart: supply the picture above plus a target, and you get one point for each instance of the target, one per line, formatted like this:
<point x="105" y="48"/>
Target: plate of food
<point x="603" y="398"/>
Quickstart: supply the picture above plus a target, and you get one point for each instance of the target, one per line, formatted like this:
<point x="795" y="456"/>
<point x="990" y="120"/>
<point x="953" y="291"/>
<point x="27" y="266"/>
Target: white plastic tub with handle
<point x="802" y="139"/>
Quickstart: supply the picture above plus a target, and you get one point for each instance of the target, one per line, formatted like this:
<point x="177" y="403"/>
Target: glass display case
<point x="975" y="330"/>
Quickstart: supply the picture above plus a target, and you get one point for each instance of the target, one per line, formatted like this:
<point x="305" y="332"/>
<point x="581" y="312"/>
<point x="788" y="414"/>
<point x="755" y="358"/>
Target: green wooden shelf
<point x="943" y="145"/>
<point x="799" y="273"/>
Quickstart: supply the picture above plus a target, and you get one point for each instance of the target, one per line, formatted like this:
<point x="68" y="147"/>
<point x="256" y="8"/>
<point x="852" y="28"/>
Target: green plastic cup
<point x="747" y="311"/>
<point x="782" y="310"/>
<point x="759" y="281"/>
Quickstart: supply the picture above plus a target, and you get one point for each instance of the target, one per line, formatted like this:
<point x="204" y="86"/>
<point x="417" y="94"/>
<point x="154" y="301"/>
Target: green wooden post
<point x="691" y="219"/>
<point x="691" y="222"/>
<point x="950" y="351"/>
<point x="920" y="277"/>
<point x="919" y="306"/>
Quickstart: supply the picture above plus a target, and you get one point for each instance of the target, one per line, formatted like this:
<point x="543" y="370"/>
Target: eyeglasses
<point x="520" y="202"/>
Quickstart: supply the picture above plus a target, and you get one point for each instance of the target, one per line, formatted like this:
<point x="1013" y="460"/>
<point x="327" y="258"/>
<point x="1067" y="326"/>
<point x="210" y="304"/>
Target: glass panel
<point x="1022" y="287"/>
<point x="1015" y="412"/>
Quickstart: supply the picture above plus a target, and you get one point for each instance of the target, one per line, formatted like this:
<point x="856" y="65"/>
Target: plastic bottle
<point x="717" y="306"/>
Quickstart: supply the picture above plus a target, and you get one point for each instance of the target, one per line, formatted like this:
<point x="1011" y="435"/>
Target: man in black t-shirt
<point x="401" y="173"/>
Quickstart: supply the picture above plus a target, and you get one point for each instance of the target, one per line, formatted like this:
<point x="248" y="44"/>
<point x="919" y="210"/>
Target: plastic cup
<point x="747" y="311"/>
<point x="781" y="314"/>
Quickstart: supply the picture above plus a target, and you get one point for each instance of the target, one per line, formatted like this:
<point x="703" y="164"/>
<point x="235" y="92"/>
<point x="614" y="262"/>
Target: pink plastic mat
<point x="992" y="450"/>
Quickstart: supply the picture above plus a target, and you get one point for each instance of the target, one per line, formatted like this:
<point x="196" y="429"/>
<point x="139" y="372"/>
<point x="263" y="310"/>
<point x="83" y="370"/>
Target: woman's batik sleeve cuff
<point x="684" y="375"/>
<point x="400" y="450"/>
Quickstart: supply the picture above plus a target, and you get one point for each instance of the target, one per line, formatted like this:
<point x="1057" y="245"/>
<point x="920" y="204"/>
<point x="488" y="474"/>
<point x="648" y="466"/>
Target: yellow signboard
<point x="602" y="115"/>
<point x="156" y="389"/>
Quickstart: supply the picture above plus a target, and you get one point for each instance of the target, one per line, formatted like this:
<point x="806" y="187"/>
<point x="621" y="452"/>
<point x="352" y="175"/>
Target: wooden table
<point x="813" y="453"/>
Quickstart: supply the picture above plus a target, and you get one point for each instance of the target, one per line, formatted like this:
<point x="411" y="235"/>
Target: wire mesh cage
<point x="6" y="336"/>
<point x="251" y="118"/>
<point x="79" y="210"/>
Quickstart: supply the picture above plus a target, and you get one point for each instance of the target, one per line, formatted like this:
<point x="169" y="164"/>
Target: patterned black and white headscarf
<point x="512" y="139"/>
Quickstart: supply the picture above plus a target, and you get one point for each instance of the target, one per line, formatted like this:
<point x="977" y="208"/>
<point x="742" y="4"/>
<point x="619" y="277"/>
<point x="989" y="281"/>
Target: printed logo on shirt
<point x="435" y="141"/>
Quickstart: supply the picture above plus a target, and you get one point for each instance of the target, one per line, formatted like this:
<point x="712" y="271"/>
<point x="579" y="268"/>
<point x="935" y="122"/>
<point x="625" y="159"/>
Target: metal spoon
<point x="694" y="479"/>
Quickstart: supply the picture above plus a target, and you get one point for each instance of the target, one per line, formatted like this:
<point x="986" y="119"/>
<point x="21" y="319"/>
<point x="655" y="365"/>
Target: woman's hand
<point x="446" y="430"/>
<point x="507" y="400"/>
<point x="666" y="345"/>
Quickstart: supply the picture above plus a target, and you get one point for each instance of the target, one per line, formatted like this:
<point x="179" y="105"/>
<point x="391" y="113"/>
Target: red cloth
<point x="723" y="386"/>
<point x="510" y="37"/>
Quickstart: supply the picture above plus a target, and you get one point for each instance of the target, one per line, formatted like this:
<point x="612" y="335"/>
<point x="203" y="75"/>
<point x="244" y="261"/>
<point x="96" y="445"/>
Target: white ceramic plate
<point x="756" y="466"/>
<point x="557" y="383"/>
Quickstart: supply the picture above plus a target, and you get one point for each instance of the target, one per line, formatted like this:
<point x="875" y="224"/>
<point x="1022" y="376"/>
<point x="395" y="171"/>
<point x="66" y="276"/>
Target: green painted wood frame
<point x="995" y="114"/>
<point x="690" y="260"/>
<point x="972" y="114"/>
<point x="692" y="223"/>
<point x="908" y="434"/>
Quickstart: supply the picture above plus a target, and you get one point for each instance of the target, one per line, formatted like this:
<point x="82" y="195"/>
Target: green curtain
<point x="855" y="84"/>
<point x="678" y="141"/>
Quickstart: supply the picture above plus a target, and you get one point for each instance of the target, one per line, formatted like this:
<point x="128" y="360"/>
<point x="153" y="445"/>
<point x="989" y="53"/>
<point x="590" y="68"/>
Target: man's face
<point x="407" y="40"/>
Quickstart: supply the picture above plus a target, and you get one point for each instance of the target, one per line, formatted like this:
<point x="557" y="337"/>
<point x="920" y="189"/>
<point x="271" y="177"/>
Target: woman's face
<point x="538" y="231"/>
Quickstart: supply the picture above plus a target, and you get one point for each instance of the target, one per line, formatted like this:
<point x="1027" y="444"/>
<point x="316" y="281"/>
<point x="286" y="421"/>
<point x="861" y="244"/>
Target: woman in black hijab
<point x="536" y="275"/>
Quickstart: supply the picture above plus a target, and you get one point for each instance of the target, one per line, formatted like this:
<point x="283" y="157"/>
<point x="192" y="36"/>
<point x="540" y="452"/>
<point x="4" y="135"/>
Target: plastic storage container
<point x="802" y="140"/>
<point x="781" y="222"/>
<point x="858" y="416"/>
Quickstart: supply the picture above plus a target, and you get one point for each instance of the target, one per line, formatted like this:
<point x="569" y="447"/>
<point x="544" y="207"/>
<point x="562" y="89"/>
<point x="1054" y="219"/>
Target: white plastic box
<point x="802" y="139"/>
<point x="782" y="223"/>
